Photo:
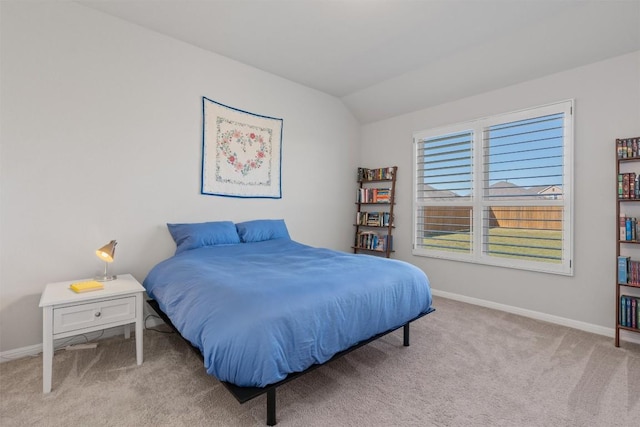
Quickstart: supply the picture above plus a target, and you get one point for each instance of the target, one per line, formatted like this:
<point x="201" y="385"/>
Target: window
<point x="498" y="190"/>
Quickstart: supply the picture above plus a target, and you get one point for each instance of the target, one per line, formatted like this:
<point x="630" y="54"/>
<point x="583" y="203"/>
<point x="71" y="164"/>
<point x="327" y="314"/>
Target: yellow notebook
<point x="86" y="286"/>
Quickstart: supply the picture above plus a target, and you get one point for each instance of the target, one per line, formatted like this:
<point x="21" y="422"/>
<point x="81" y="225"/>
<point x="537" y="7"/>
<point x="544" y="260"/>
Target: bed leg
<point x="406" y="335"/>
<point x="271" y="407"/>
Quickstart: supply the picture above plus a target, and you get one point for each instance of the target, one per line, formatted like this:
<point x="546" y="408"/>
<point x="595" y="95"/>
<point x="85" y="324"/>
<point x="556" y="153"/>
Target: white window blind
<point x="446" y="169"/>
<point x="498" y="190"/>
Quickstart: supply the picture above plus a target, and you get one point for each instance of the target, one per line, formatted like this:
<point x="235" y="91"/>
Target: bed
<point x="261" y="308"/>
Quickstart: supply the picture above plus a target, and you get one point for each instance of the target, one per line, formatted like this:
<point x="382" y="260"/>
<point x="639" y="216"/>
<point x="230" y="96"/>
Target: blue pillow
<point x="262" y="229"/>
<point x="197" y="235"/>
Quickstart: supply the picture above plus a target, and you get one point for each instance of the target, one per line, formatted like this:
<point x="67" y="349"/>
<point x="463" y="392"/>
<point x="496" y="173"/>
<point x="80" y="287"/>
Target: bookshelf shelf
<point x="375" y="200"/>
<point x="625" y="328"/>
<point x="358" y="248"/>
<point x="628" y="159"/>
<point x="628" y="229"/>
<point x="373" y="203"/>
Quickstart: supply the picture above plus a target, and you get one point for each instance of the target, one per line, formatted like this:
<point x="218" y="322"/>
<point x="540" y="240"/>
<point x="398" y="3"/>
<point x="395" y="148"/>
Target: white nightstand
<point x="67" y="313"/>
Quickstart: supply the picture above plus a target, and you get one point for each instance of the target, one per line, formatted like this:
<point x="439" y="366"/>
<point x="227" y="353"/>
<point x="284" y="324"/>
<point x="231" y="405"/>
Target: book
<point x="623" y="270"/>
<point x="630" y="311"/>
<point x="378" y="174"/>
<point x="620" y="194"/>
<point x="373" y="241"/>
<point x="374" y="195"/>
<point x="618" y="149"/>
<point x="86" y="286"/>
<point x="628" y="147"/>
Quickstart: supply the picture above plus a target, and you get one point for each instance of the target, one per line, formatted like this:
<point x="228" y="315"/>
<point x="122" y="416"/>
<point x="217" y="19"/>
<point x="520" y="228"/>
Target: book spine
<point x="623" y="310"/>
<point x="625" y="149"/>
<point x="620" y="188"/>
<point x="623" y="269"/>
<point x="618" y="148"/>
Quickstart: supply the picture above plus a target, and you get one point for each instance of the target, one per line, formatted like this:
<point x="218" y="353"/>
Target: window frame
<point x="479" y="203"/>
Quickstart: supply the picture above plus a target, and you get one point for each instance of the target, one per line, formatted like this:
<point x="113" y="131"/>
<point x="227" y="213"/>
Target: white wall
<point x="607" y="104"/>
<point x="101" y="139"/>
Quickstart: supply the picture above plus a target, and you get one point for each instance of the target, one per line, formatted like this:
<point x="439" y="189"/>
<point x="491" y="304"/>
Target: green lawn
<point x="531" y="244"/>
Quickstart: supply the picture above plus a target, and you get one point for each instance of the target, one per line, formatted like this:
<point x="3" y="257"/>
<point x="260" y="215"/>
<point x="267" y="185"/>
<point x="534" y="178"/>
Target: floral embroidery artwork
<point x="244" y="147"/>
<point x="241" y="152"/>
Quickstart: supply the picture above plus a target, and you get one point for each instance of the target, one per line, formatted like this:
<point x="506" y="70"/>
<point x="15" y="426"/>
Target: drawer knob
<point x="98" y="314"/>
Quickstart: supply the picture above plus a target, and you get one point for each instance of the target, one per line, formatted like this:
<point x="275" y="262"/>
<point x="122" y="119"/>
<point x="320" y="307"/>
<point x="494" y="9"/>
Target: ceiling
<point x="383" y="58"/>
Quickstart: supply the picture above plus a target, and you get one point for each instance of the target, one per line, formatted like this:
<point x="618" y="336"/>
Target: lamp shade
<point x="107" y="252"/>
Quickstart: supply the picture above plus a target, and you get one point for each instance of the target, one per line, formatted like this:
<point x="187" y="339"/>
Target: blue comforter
<point x="259" y="311"/>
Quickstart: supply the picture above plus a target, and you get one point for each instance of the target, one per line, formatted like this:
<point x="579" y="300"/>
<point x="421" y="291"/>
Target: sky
<point x="525" y="153"/>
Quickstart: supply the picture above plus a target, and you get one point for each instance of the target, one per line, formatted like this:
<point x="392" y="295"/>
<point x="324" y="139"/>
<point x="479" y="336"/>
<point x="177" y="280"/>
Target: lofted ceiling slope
<point x="384" y="58"/>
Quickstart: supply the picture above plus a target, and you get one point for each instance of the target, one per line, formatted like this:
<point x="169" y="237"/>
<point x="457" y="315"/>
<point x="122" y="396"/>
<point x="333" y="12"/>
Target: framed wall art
<point x="241" y="152"/>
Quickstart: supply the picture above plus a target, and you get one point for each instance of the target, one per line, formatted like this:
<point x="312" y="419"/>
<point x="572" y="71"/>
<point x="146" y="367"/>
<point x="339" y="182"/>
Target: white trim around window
<point x="498" y="190"/>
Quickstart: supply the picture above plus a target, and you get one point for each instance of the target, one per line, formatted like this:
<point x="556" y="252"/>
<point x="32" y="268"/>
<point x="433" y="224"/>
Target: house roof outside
<point x="503" y="189"/>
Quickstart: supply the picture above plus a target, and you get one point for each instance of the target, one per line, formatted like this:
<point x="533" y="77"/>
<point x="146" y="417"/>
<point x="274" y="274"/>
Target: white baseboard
<point x="576" y="324"/>
<point x="18" y="353"/>
<point x="35" y="350"/>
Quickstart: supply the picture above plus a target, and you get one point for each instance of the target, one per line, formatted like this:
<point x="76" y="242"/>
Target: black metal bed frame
<point x="244" y="394"/>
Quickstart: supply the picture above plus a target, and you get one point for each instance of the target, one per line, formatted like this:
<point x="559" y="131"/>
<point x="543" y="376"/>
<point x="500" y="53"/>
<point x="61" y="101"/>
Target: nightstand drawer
<point x="90" y="315"/>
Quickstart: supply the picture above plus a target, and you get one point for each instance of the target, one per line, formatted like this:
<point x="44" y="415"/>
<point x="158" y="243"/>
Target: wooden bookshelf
<point x="628" y="236"/>
<point x="374" y="221"/>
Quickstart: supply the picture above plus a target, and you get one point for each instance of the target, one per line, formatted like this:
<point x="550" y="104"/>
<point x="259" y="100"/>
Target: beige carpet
<point x="466" y="366"/>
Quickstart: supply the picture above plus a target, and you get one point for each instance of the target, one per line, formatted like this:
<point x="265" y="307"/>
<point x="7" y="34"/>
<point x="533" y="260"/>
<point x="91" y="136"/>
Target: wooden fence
<point x="446" y="219"/>
<point x="458" y="218"/>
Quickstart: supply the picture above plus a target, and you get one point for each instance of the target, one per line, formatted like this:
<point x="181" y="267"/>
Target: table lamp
<point x="106" y="254"/>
